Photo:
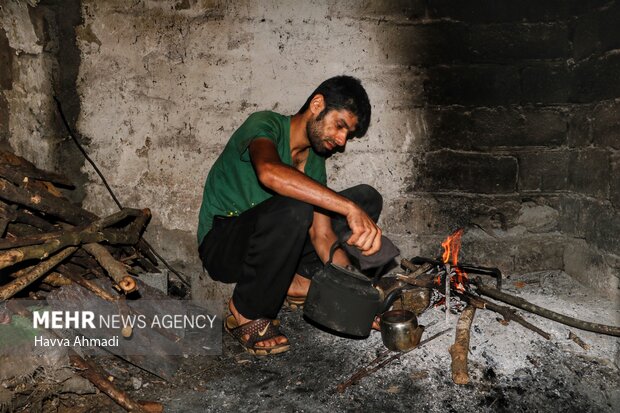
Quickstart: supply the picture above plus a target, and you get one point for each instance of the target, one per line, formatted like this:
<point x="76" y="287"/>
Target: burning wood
<point x="452" y="287"/>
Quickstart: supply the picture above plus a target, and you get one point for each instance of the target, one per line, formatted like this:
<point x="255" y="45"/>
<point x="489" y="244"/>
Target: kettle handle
<point x="332" y="250"/>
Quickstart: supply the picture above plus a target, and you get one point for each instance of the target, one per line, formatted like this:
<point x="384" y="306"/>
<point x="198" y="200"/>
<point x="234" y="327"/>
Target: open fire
<point x="450" y="257"/>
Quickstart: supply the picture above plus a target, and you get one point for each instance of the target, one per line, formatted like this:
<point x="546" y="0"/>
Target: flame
<point x="451" y="247"/>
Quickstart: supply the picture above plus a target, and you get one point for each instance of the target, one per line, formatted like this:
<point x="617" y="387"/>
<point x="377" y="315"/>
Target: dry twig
<point x="552" y="315"/>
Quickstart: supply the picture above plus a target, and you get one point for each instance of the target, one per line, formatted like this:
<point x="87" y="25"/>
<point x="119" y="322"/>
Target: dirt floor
<point x="511" y="368"/>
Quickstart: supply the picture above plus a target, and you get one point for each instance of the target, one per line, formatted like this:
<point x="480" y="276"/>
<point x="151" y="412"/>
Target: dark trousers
<point x="263" y="248"/>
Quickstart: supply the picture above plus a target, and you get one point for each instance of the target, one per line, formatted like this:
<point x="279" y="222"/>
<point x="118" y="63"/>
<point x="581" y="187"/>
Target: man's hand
<point x="366" y="234"/>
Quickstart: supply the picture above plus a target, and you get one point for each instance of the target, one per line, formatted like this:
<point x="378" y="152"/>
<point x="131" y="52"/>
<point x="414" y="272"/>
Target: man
<point x="268" y="220"/>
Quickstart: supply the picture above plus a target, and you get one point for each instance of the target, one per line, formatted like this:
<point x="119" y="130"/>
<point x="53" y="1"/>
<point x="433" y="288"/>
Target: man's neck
<point x="299" y="138"/>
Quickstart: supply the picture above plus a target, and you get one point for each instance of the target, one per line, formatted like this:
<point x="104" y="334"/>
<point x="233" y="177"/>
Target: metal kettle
<point x="344" y="301"/>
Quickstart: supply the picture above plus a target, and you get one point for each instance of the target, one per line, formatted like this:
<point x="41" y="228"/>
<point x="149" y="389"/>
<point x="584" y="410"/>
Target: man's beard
<point x="314" y="130"/>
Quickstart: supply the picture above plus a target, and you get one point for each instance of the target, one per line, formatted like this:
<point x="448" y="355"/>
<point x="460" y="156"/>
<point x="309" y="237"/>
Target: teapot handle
<point x="390" y="299"/>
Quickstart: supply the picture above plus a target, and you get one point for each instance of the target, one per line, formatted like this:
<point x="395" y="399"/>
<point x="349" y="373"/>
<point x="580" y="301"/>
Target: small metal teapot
<point x="400" y="330"/>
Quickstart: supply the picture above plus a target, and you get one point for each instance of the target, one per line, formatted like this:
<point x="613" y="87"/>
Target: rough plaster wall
<point x="38" y="61"/>
<point x="27" y="88"/>
<point x="164" y="84"/>
<point x="478" y="114"/>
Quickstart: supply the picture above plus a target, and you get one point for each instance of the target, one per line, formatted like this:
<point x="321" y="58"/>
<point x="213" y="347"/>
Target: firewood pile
<point x="48" y="242"/>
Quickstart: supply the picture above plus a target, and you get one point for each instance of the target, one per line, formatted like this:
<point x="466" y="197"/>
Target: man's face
<point x="329" y="131"/>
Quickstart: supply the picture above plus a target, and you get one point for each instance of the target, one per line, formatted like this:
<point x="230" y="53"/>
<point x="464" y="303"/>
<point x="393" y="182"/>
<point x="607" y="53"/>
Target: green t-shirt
<point x="232" y="186"/>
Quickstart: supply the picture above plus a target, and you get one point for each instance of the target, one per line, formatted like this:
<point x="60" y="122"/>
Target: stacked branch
<point x="46" y="241"/>
<point x="45" y="238"/>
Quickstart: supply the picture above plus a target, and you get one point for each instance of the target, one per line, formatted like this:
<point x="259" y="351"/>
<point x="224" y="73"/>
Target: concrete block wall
<point x="513" y="91"/>
<point x="498" y="116"/>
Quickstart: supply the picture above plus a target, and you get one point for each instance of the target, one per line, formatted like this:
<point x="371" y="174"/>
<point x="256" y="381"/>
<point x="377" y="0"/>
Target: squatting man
<point x="268" y="219"/>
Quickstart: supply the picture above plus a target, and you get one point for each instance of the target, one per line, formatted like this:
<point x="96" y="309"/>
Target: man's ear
<point x="317" y="104"/>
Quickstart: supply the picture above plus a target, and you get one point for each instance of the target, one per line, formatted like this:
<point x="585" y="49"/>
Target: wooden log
<point x="415" y="269"/>
<point x="552" y="315"/>
<point x="460" y="348"/>
<point x="20" y="175"/>
<point x="55" y="279"/>
<point x="26" y="217"/>
<point x="46" y="203"/>
<point x="11" y="257"/>
<point x="115" y="269"/>
<point x="7" y="215"/>
<point x="423" y="283"/>
<point x="578" y="341"/>
<point x="87" y="263"/>
<point x="96" y="232"/>
<point x="70" y="271"/>
<point x="151" y="407"/>
<point x="12" y="288"/>
<point x="18" y="167"/>
<point x="26" y="241"/>
<point x="90" y="372"/>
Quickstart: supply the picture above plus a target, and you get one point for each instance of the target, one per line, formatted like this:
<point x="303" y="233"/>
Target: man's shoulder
<point x="266" y="115"/>
<point x="264" y="123"/>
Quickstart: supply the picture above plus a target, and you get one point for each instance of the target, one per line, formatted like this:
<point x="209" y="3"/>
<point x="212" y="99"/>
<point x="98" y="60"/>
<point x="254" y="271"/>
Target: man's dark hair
<point x="344" y="92"/>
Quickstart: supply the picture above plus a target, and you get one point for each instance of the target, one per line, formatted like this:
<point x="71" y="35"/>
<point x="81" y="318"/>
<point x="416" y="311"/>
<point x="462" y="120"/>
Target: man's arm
<point x="323" y="237"/>
<point x="288" y="181"/>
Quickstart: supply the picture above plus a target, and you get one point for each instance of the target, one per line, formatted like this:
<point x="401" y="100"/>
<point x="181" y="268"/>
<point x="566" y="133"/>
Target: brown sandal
<point x="258" y="330"/>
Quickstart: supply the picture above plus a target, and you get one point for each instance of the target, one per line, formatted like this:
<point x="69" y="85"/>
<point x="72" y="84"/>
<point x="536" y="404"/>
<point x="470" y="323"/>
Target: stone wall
<point x="493" y="115"/>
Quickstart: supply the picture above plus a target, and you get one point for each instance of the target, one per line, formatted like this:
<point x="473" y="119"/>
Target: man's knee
<point x="368" y="198"/>
<point x="297" y="214"/>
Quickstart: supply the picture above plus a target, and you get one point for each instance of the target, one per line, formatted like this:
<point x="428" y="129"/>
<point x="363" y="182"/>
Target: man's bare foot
<point x="299" y="286"/>
<point x="242" y="320"/>
<point x="375" y="323"/>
